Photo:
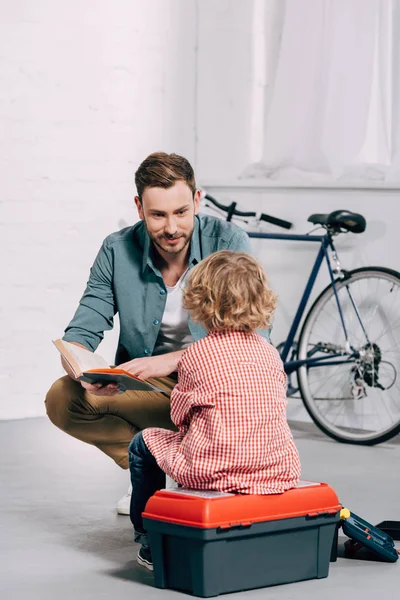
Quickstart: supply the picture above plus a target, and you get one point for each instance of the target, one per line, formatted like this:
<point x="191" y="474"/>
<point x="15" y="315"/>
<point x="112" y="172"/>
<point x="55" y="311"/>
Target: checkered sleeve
<point x="188" y="393"/>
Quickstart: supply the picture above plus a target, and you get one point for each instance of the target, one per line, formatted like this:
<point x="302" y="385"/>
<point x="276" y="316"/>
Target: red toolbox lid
<point x="208" y="509"/>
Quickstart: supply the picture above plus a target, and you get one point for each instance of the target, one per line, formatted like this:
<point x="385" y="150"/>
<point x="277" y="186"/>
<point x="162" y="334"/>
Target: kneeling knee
<point x="57" y="402"/>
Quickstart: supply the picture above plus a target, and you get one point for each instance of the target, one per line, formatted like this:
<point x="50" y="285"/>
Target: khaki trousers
<point x="109" y="422"/>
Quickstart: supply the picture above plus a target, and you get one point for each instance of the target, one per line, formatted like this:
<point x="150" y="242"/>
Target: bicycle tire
<point x="346" y="436"/>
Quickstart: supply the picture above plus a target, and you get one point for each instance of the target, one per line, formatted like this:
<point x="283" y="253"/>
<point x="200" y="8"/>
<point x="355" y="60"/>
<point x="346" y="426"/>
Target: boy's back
<point x="230" y="407"/>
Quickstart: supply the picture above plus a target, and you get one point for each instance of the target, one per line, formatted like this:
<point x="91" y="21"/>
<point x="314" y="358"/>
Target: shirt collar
<point x="146" y="260"/>
<point x="195" y="250"/>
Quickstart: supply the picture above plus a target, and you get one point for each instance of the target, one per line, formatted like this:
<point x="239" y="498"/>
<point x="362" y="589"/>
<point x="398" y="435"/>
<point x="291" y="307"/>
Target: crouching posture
<point x="229" y="404"/>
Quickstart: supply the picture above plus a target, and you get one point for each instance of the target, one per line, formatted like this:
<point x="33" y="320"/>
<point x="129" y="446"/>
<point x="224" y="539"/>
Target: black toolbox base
<point x="208" y="562"/>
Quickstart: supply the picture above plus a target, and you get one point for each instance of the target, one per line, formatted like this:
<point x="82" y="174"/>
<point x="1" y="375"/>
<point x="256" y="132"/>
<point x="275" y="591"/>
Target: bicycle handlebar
<point x="232" y="212"/>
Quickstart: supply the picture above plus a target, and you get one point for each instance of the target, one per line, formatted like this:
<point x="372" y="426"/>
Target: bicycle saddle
<point x="340" y="220"/>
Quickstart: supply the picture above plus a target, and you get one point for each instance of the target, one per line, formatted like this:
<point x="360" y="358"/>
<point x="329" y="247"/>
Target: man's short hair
<point x="229" y="291"/>
<point x="164" y="170"/>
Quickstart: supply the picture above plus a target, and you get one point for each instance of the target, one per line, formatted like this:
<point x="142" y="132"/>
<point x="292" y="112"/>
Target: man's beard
<point x="157" y="241"/>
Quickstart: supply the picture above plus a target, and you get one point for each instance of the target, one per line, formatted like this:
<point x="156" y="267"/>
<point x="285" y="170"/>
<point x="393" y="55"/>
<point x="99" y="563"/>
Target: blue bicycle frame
<point x="325" y="242"/>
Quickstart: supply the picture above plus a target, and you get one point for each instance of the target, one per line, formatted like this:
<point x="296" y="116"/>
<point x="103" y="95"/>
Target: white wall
<point x="224" y="87"/>
<point x="88" y="89"/>
<point x="237" y="52"/>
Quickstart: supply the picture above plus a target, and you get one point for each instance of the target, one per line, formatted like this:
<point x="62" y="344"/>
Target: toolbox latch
<point x="228" y="527"/>
<point x="324" y="513"/>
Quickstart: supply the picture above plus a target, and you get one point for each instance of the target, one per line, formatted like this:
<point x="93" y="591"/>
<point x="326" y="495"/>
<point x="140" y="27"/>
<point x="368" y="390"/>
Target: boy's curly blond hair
<point x="229" y="291"/>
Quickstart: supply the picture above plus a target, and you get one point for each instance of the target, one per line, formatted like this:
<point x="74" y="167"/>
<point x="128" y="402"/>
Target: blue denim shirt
<point x="124" y="279"/>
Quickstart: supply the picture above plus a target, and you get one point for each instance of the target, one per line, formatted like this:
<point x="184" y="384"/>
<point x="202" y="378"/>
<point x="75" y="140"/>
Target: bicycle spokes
<point x="354" y="396"/>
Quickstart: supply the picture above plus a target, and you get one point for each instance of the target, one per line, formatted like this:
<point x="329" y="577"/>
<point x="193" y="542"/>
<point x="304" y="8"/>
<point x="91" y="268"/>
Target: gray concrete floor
<point x="61" y="538"/>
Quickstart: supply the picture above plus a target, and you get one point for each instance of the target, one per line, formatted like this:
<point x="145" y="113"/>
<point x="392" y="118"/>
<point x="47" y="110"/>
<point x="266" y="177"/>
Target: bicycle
<point x="348" y="351"/>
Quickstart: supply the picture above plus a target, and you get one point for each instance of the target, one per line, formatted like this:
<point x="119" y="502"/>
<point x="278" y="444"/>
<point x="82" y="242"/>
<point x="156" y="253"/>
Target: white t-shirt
<point x="174" y="331"/>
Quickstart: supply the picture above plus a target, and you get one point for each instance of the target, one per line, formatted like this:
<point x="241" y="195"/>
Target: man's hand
<point x="153" y="366"/>
<point x="98" y="389"/>
<point x="94" y="388"/>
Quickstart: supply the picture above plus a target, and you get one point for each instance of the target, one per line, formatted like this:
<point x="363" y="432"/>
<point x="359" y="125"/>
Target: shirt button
<point x="156" y="322"/>
<point x="162" y="292"/>
<point x="147" y="350"/>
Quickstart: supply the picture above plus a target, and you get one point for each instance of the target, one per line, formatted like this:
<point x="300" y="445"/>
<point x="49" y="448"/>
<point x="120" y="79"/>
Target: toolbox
<point x="374" y="538"/>
<point x="209" y="543"/>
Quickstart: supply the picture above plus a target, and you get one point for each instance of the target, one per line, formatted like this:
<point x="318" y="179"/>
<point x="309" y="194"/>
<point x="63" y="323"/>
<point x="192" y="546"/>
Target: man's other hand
<point x="98" y="389"/>
<point x="153" y="366"/>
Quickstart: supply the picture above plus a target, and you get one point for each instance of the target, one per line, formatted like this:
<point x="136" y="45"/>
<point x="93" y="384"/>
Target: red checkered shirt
<point x="230" y="408"/>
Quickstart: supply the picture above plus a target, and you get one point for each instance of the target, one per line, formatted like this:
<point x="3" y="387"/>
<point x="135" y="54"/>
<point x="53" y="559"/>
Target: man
<point x="139" y="272"/>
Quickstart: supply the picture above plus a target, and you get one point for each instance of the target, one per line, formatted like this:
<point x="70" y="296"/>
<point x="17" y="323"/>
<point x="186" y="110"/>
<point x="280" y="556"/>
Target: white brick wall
<point x="88" y="88"/>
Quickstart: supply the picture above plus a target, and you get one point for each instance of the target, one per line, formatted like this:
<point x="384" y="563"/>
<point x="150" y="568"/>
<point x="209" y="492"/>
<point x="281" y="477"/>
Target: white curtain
<point x="332" y="107"/>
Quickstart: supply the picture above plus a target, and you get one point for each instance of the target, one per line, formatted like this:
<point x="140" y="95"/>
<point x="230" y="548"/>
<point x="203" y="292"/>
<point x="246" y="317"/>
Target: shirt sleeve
<point x="187" y="396"/>
<point x="96" y="310"/>
<point x="240" y="242"/>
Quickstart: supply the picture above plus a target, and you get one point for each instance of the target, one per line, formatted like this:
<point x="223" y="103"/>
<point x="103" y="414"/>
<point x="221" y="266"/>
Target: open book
<point x="92" y="368"/>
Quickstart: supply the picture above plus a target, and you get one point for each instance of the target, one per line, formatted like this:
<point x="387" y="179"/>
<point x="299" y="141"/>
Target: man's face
<point x="169" y="216"/>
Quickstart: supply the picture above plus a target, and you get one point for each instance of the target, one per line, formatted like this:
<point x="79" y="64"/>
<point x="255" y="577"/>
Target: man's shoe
<point x="144" y="558"/>
<point x="124" y="504"/>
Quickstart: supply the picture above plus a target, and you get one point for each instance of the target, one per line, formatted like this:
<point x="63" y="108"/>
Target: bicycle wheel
<point x="354" y="398"/>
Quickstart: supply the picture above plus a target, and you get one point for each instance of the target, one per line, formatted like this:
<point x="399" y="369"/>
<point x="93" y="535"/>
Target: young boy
<point x="230" y="401"/>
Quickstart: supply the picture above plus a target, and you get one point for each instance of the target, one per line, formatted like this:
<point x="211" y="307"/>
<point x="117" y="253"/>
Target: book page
<point x="80" y="359"/>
